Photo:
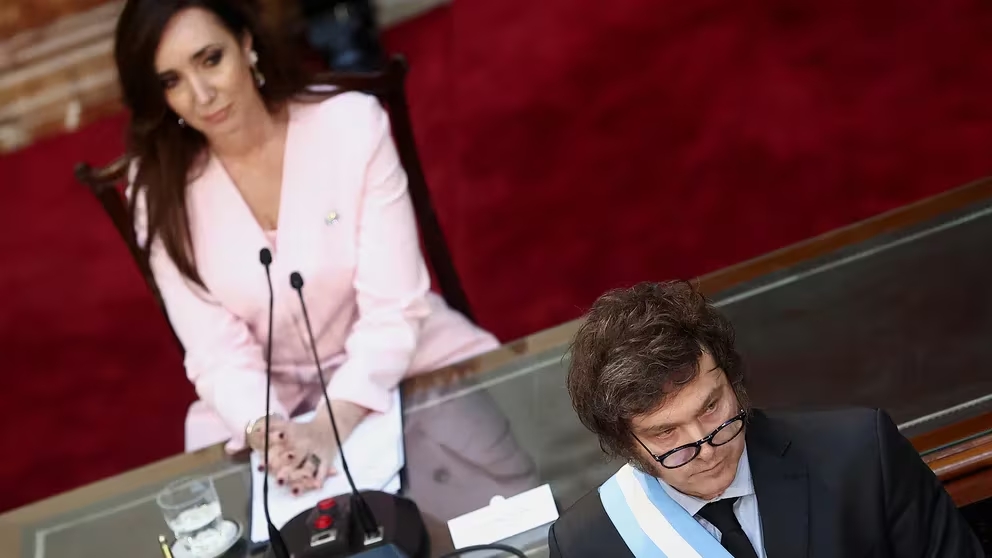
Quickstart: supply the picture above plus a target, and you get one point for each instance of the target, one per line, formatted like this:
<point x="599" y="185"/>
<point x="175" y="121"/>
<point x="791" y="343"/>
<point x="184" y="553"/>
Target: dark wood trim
<point x="969" y="459"/>
<point x="953" y="452"/>
<point x="960" y="454"/>
<point x="26" y="16"/>
<point x="971" y="489"/>
<point x="952" y="433"/>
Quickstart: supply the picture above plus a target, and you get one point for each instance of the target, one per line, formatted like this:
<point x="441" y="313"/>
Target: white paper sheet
<point x="375" y="457"/>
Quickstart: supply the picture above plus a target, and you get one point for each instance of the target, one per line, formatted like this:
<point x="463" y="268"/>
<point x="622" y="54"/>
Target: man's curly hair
<point x="638" y="346"/>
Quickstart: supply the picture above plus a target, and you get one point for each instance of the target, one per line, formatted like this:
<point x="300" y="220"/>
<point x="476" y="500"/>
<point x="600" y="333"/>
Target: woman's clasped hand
<point x="302" y="454"/>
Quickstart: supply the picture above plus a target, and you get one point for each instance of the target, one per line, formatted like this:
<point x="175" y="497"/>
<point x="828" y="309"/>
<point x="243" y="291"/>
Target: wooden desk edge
<point x="158" y="472"/>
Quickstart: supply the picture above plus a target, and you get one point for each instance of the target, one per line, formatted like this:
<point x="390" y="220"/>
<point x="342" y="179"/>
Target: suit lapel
<point x="312" y="189"/>
<point x="781" y="487"/>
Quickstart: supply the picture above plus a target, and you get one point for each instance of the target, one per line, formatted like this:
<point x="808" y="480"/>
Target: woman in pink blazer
<point x="234" y="156"/>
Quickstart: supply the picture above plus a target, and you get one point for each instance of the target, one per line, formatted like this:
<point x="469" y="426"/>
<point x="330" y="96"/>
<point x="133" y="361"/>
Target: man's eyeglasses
<point x="683" y="454"/>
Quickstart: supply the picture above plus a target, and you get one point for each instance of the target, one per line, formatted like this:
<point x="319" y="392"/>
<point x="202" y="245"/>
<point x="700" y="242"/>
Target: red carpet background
<point x="571" y="148"/>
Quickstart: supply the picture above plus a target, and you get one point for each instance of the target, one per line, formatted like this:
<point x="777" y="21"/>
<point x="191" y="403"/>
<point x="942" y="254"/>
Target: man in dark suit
<point x="654" y="373"/>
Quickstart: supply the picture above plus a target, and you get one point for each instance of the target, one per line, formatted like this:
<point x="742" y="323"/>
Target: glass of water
<point x="192" y="510"/>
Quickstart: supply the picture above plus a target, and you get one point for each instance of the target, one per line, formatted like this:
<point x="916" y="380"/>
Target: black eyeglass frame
<point x="698" y="444"/>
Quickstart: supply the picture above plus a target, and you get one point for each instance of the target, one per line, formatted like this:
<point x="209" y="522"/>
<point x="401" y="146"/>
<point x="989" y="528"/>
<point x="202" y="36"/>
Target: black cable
<point x="476" y="548"/>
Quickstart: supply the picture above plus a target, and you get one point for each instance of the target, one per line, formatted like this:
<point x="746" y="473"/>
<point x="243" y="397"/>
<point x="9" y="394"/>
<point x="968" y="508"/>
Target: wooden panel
<point x="56" y="78"/>
<point x="953" y="433"/>
<point x="21" y="15"/>
<point x="963" y="458"/>
<point x="971" y="489"/>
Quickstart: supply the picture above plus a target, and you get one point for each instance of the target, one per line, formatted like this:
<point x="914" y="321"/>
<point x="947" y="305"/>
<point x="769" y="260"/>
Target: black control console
<point x="330" y="530"/>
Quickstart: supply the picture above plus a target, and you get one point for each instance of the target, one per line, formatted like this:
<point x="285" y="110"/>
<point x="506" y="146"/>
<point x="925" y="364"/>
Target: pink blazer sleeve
<point x="223" y="360"/>
<point x="391" y="281"/>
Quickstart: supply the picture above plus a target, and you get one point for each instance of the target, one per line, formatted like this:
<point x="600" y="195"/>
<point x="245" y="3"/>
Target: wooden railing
<point x="55" y="78"/>
<point x="961" y="456"/>
<point x="20" y="15"/>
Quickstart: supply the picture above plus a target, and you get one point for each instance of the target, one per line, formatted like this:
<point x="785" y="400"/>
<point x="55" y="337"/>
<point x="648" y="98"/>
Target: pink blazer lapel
<point x="320" y="202"/>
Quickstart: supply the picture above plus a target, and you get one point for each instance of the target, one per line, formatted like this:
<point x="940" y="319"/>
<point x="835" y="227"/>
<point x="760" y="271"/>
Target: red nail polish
<point x="281" y="482"/>
<point x="296" y="491"/>
<point x="290" y="456"/>
<point x="281" y="435"/>
<point x="261" y="468"/>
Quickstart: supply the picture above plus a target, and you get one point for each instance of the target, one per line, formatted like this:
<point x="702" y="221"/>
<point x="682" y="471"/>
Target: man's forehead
<point x="683" y="404"/>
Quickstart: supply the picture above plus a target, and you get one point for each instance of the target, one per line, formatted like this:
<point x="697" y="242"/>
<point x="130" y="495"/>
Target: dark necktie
<point x="732" y="537"/>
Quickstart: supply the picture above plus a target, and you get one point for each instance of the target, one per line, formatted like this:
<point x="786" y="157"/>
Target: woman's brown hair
<point x="638" y="346"/>
<point x="168" y="153"/>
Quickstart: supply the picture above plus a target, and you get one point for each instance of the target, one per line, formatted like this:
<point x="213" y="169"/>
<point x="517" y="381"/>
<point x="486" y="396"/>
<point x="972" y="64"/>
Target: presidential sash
<point x="651" y="523"/>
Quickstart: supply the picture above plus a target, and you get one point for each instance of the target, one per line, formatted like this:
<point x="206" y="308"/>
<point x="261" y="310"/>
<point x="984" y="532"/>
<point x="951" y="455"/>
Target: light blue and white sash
<point x="651" y="523"/>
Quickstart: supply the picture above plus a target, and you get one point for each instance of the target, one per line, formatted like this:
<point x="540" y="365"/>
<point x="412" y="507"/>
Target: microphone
<point x="390" y="526"/>
<point x="363" y="513"/>
<point x="275" y="537"/>
<point x="374" y="523"/>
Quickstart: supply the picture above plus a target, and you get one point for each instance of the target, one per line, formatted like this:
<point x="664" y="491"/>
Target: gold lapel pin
<point x="331" y="218"/>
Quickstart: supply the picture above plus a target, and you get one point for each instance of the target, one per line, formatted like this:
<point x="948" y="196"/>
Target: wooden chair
<point x="388" y="85"/>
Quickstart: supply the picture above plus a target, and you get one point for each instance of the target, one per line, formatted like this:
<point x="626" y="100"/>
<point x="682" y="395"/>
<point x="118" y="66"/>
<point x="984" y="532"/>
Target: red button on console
<point x="323" y="522"/>
<point x="327" y="504"/>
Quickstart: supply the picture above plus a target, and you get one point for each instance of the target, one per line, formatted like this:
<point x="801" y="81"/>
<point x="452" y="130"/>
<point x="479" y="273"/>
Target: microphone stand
<point x="398" y="530"/>
<point x="367" y="521"/>
<point x="275" y="537"/>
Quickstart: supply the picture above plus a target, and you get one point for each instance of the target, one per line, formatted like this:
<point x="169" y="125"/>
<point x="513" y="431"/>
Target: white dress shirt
<point x="745" y="508"/>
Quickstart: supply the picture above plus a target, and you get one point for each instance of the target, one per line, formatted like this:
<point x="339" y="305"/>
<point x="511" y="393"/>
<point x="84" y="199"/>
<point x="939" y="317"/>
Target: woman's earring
<point x="259" y="77"/>
<point x="182" y="123"/>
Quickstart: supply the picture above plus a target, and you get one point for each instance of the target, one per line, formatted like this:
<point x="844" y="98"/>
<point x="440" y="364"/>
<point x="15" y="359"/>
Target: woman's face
<point x="205" y="73"/>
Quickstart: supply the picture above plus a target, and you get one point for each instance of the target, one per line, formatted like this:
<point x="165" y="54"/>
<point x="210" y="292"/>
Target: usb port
<point x="375" y="538"/>
<point x="325" y="537"/>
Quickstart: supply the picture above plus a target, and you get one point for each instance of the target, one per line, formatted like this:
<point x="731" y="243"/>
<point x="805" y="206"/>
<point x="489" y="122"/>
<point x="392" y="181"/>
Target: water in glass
<point x="193" y="512"/>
